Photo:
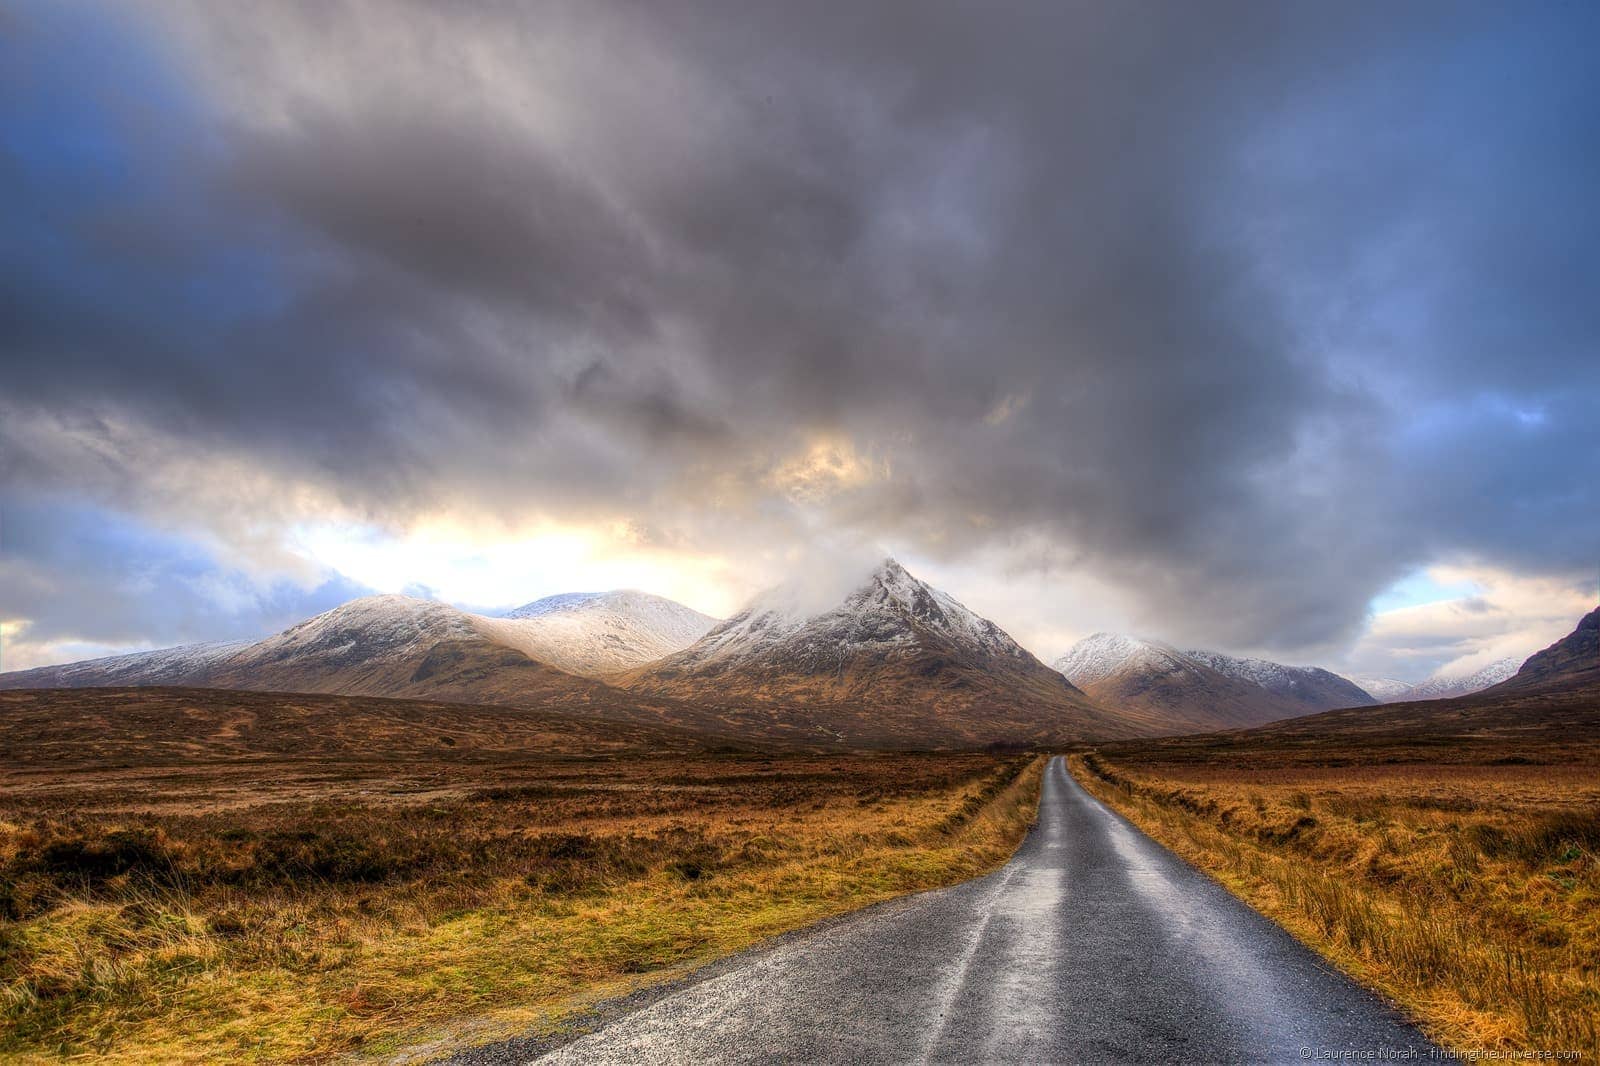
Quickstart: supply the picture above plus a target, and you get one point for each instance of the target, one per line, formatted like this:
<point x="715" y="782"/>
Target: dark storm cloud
<point x="1248" y="308"/>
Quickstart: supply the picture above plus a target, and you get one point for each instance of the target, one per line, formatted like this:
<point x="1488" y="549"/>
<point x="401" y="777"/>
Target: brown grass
<point x="1469" y="893"/>
<point x="300" y="909"/>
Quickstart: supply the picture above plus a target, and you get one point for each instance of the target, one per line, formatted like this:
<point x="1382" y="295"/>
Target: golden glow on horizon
<point x="458" y="563"/>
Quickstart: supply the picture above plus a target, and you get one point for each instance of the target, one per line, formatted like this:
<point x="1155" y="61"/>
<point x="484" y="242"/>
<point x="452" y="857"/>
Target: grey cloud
<point x="588" y="258"/>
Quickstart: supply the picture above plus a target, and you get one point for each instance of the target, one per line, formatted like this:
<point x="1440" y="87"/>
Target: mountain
<point x="1446" y="687"/>
<point x="359" y="646"/>
<point x="894" y="662"/>
<point x="1573" y="662"/>
<point x="1548" y="712"/>
<point x="1122" y="671"/>
<point x="1310" y="687"/>
<point x="1199" y="690"/>
<point x="136" y="668"/>
<point x="598" y="633"/>
<point x="398" y="647"/>
<point x="375" y="646"/>
<point x="1383" y="689"/>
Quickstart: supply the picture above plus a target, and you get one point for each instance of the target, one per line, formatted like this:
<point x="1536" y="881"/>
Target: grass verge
<point x="190" y="922"/>
<point x="1469" y="895"/>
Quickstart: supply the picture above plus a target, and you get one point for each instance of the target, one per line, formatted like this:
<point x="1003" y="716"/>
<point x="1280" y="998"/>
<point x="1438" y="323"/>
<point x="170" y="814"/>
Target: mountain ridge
<point x="1200" y="690"/>
<point x="589" y="634"/>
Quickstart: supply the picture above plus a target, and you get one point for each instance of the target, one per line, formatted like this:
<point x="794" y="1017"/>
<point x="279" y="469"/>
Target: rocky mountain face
<point x="1198" y="690"/>
<point x="895" y="662"/>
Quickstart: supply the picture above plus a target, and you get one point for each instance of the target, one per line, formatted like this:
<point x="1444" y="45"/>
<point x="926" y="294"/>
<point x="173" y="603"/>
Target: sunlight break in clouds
<point x="496" y="569"/>
<point x="1510" y="616"/>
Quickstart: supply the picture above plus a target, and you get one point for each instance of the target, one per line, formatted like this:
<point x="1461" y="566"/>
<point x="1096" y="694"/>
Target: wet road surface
<point x="1093" y="944"/>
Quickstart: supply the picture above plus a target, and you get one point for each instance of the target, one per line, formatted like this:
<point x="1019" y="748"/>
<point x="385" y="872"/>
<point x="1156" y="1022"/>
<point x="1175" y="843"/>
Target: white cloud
<point x="1511" y="616"/>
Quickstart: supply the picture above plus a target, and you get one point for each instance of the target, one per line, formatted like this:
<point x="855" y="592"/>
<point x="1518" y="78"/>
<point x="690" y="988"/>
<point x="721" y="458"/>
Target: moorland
<point x="1445" y="854"/>
<point x="189" y="873"/>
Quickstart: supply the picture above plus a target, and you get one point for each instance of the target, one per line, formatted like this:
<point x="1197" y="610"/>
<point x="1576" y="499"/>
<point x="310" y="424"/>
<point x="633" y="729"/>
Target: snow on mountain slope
<point x="1446" y="687"/>
<point x="889" y="611"/>
<point x="369" y="644"/>
<point x="1102" y="655"/>
<point x="892" y="661"/>
<point x="345" y="649"/>
<point x="1311" y="686"/>
<point x="1199" y="689"/>
<point x="1129" y="672"/>
<point x="164" y="666"/>
<point x="597" y="633"/>
<point x="361" y="635"/>
<point x="1384" y="689"/>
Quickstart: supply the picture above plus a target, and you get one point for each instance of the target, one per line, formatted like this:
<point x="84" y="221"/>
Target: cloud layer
<point x="1244" y="311"/>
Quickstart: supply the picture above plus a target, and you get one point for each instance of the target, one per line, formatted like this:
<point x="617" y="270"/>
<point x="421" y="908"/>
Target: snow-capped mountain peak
<point x="889" y="608"/>
<point x="1097" y="657"/>
<point x="596" y="633"/>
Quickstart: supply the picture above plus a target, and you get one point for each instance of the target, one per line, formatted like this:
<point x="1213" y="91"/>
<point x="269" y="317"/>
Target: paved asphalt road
<point x="1094" y="944"/>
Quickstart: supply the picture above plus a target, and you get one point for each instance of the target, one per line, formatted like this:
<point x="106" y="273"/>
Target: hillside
<point x="135" y="727"/>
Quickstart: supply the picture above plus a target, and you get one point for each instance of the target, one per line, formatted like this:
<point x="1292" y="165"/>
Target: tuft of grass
<point x="1470" y="895"/>
<point x="219" y="916"/>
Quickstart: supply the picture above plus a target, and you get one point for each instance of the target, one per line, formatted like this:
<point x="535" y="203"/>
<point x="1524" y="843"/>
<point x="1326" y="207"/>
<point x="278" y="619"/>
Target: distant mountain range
<point x="1443" y="687"/>
<point x="360" y="646"/>
<point x="1383" y="689"/>
<point x="1201" y="690"/>
<point x="1440" y="686"/>
<point x="400" y="646"/>
<point x="894" y="663"/>
<point x="1553" y="698"/>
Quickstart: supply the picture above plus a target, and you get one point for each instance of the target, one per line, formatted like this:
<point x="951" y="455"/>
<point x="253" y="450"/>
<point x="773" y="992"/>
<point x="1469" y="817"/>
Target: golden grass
<point x="1467" y="894"/>
<point x="366" y="915"/>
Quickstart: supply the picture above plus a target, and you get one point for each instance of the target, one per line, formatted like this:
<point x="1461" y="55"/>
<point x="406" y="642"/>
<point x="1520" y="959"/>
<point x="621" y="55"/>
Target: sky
<point x="1269" y="327"/>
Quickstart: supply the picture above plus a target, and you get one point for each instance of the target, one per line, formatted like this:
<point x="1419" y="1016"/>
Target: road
<point x="1093" y="944"/>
